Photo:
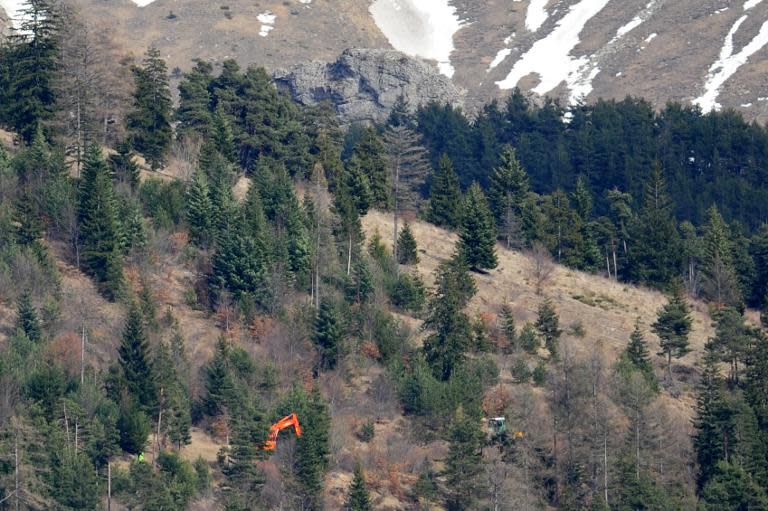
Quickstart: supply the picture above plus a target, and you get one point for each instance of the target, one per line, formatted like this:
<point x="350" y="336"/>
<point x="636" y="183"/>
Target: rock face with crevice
<point x="363" y="85"/>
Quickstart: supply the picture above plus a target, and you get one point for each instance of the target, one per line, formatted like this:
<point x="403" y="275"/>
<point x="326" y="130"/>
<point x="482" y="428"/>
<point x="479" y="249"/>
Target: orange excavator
<point x="291" y="420"/>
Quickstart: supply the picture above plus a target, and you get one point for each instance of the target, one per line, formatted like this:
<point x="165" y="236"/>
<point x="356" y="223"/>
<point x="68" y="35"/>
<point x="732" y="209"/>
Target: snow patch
<point x="267" y="20"/>
<point x="536" y="14"/>
<point x="651" y="37"/>
<point x="13" y="9"/>
<point x="143" y="3"/>
<point x="629" y="27"/>
<point x="421" y="28"/>
<point x="746" y="105"/>
<point x="551" y="58"/>
<point x="499" y="58"/>
<point x="728" y="63"/>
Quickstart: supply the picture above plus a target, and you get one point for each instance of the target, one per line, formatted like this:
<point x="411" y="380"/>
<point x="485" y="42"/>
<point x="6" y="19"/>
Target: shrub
<point x="520" y="371"/>
<point x="539" y="375"/>
<point x="408" y="293"/>
<point x="366" y="432"/>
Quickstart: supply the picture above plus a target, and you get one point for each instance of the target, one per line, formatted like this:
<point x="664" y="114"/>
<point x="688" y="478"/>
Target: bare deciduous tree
<point x="541" y="266"/>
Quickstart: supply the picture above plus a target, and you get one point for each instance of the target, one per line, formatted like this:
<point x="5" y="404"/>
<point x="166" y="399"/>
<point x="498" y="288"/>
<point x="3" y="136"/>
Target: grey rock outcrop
<point x="364" y="84"/>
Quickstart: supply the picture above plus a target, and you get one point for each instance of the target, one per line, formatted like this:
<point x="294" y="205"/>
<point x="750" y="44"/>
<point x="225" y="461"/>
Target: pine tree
<point x="357" y="185"/>
<point x="199" y="210"/>
<point x="27" y="319"/>
<point x="732" y="339"/>
<point x="149" y="123"/>
<point x="655" y="257"/>
<point x="507" y="318"/>
<point x="710" y="414"/>
<point x="445" y="198"/>
<point x="407" y="252"/>
<point x="133" y="356"/>
<point x="464" y="464"/>
<point x="548" y="326"/>
<point x="99" y="225"/>
<point x="719" y="274"/>
<point x="193" y="113"/>
<point x="313" y="450"/>
<point x="123" y="166"/>
<point x="732" y="488"/>
<point x="508" y="186"/>
<point x="32" y="60"/>
<point x="245" y="479"/>
<point x="358" y="499"/>
<point x="328" y="336"/>
<point x="528" y="339"/>
<point x="445" y="348"/>
<point x="371" y="157"/>
<point x="637" y="351"/>
<point x="222" y="137"/>
<point x="672" y="326"/>
<point x="477" y="238"/>
<point x="133" y="425"/>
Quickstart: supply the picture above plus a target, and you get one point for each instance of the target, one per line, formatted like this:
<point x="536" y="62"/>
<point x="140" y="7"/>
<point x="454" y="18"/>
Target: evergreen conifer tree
<point x="637" y="351"/>
<point x="222" y="136"/>
<point x="357" y="185"/>
<point x="99" y="225"/>
<point x="508" y="186"/>
<point x="464" y="464"/>
<point x="672" y="326"/>
<point x="477" y="238"/>
<point x="508" y="328"/>
<point x="313" y="450"/>
<point x="124" y="168"/>
<point x="135" y="362"/>
<point x="149" y="123"/>
<point x="371" y="157"/>
<point x="710" y="415"/>
<point x="548" y="326"/>
<point x="445" y="198"/>
<point x="358" y="498"/>
<point x="720" y="283"/>
<point x="27" y="319"/>
<point x="731" y="487"/>
<point x="655" y="257"/>
<point x="445" y="348"/>
<point x="194" y="114"/>
<point x="199" y="210"/>
<point x="407" y="252"/>
<point x="528" y="339"/>
<point x="329" y="334"/>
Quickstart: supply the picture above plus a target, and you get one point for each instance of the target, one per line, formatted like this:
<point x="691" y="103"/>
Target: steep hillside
<point x="711" y="53"/>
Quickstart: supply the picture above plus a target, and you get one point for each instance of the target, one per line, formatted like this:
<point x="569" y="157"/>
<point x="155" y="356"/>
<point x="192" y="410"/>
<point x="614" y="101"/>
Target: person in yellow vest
<point x="141" y="457"/>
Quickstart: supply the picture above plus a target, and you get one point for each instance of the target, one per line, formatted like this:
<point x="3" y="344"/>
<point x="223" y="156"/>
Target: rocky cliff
<point x="363" y="85"/>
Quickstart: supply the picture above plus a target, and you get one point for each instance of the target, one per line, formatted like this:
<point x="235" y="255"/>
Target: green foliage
<point x="408" y="293"/>
<point x="370" y="156"/>
<point x="732" y="488"/>
<point x="199" y="210"/>
<point x="446" y="346"/>
<point x="477" y="237"/>
<point x="710" y="415"/>
<point x="508" y="187"/>
<point x="539" y="375"/>
<point x="367" y="431"/>
<point x="407" y="252"/>
<point x="163" y="201"/>
<point x="134" y="428"/>
<point x="507" y="320"/>
<point x="548" y="326"/>
<point x="99" y="224"/>
<point x="135" y="363"/>
<point x="529" y="340"/>
<point x="358" y="498"/>
<point x="464" y="464"/>
<point x="27" y="320"/>
<point x="673" y="325"/>
<point x="149" y="123"/>
<point x="520" y="371"/>
<point x="328" y="336"/>
<point x="193" y="114"/>
<point x="445" y="198"/>
<point x="124" y="167"/>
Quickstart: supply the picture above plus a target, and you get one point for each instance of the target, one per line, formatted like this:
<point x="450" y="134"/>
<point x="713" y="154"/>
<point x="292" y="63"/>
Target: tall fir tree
<point x="464" y="464"/>
<point x="199" y="210"/>
<point x="372" y="159"/>
<point x="194" y="113"/>
<point x="358" y="498"/>
<point x="508" y="328"/>
<point x="407" y="251"/>
<point x="655" y="256"/>
<point x="328" y="336"/>
<point x="477" y="237"/>
<point x="135" y="361"/>
<point x="720" y="283"/>
<point x="672" y="326"/>
<point x="313" y="450"/>
<point x="124" y="167"/>
<point x="445" y="198"/>
<point x="508" y="186"/>
<point x="638" y="355"/>
<point x="27" y="319"/>
<point x="711" y="413"/>
<point x="445" y="348"/>
<point x="548" y="326"/>
<point x="149" y="122"/>
<point x="99" y="238"/>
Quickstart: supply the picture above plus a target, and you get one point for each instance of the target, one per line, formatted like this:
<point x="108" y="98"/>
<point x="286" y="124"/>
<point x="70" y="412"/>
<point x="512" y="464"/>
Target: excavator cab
<point x="289" y="421"/>
<point x="498" y="425"/>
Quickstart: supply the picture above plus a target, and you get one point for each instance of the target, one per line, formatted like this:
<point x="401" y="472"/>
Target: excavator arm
<point x="289" y="421"/>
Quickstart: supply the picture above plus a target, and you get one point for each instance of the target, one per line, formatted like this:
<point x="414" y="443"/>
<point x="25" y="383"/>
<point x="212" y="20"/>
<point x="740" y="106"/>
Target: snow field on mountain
<point x="729" y="62"/>
<point x="420" y="28"/>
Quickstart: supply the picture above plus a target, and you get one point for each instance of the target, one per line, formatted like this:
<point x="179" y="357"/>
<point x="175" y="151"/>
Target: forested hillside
<point x="521" y="311"/>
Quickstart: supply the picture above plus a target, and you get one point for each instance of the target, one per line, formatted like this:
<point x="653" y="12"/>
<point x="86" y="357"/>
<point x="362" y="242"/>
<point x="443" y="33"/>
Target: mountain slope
<point x="710" y="53"/>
